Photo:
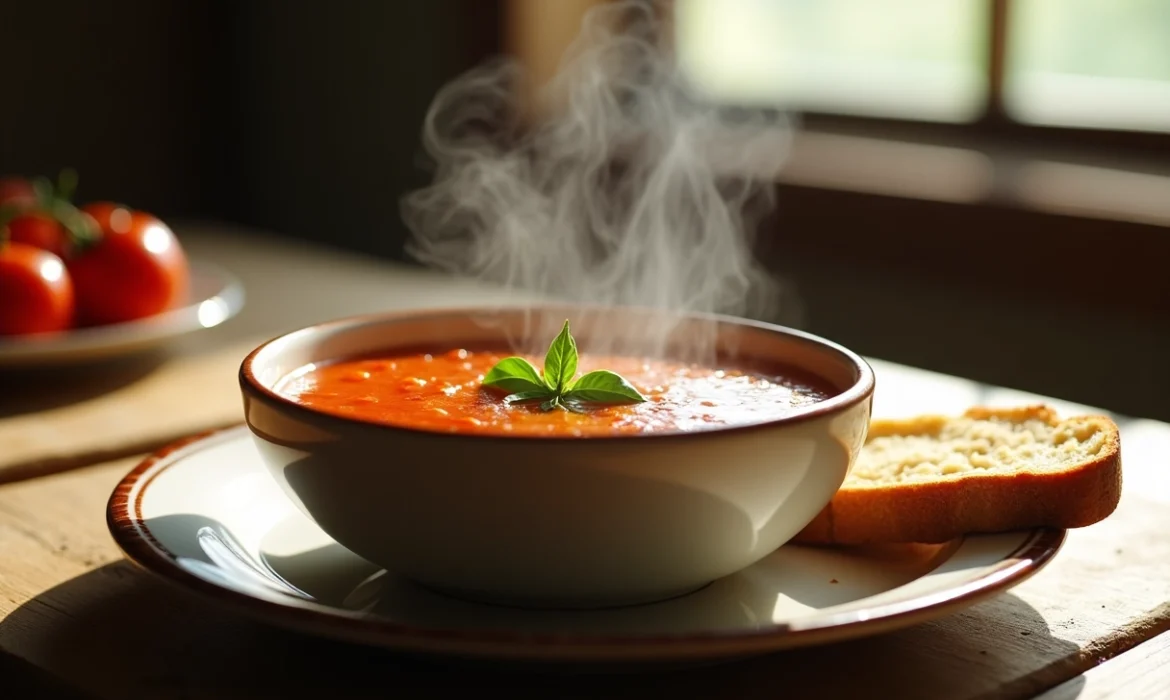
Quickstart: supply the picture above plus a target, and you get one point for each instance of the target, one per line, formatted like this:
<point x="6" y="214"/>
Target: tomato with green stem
<point x="36" y="292"/>
<point x="40" y="214"/>
<point x="133" y="270"/>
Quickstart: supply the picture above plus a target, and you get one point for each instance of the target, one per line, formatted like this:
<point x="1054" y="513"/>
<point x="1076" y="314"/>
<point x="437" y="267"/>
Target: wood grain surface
<point x="74" y="614"/>
<point x="1142" y="673"/>
<point x="1105" y="593"/>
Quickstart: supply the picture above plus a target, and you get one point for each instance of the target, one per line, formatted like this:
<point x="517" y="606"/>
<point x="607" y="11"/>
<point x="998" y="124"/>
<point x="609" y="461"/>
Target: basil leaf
<point x="555" y="386"/>
<point x="603" y="386"/>
<point x="522" y="396"/>
<point x="515" y="374"/>
<point x="560" y="363"/>
<point x="573" y="406"/>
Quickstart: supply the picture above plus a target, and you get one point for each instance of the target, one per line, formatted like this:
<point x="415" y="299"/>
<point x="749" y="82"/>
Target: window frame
<point x="1025" y="251"/>
<point x="994" y="122"/>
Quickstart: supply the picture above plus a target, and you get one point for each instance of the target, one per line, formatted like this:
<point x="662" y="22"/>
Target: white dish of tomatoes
<point x="104" y="279"/>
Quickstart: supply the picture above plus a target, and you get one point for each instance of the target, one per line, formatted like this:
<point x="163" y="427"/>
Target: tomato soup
<point x="444" y="392"/>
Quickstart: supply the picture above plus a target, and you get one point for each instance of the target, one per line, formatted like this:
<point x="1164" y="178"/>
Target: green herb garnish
<point x="555" y="386"/>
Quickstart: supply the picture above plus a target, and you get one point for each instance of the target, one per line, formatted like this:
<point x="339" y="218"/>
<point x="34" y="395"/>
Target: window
<point x="1094" y="63"/>
<point x="1100" y="64"/>
<point x="897" y="58"/>
<point x="933" y="130"/>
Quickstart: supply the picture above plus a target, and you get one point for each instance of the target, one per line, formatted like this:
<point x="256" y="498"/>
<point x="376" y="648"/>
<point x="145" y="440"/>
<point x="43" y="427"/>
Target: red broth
<point x="443" y="392"/>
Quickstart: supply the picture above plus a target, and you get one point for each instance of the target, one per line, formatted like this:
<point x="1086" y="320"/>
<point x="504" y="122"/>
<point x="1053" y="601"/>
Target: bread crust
<point x="940" y="510"/>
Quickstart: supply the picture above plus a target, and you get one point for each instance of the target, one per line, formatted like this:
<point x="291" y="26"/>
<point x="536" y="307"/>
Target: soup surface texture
<point x="443" y="392"/>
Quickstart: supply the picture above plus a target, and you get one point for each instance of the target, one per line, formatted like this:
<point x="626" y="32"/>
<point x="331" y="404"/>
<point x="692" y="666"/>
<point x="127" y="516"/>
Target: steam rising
<point x="611" y="198"/>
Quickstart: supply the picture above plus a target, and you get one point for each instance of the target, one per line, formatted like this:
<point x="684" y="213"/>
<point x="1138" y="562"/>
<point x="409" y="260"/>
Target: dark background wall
<point x="301" y="117"/>
<point x="119" y="90"/>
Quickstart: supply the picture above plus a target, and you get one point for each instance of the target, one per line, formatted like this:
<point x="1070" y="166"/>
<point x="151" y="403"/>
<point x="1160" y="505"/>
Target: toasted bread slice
<point x="933" y="478"/>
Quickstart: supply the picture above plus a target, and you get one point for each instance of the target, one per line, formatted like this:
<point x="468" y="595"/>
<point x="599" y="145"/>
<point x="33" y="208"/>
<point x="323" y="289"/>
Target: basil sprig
<point x="555" y="386"/>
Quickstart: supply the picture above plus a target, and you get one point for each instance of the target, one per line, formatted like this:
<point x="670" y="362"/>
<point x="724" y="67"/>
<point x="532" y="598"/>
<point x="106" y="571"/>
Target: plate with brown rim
<point x="205" y="515"/>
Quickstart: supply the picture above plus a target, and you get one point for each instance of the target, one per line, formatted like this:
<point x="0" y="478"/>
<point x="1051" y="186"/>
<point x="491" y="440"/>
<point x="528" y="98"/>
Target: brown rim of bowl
<point x="130" y="532"/>
<point x="861" y="389"/>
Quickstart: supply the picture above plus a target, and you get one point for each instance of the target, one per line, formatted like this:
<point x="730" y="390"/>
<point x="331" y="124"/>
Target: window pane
<point x="1094" y="63"/>
<point x="919" y="59"/>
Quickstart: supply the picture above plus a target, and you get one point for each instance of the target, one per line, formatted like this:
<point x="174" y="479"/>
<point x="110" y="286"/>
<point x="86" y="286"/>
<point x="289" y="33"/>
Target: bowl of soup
<point x="383" y="431"/>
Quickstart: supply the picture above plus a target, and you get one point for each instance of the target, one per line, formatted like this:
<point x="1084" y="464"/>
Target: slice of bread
<point x="931" y="479"/>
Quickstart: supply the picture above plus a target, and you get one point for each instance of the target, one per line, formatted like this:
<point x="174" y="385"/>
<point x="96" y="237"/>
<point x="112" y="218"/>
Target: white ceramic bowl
<point x="557" y="522"/>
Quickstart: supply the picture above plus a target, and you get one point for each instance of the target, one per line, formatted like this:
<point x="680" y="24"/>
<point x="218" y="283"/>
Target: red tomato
<point x="135" y="270"/>
<point x="36" y="293"/>
<point x="17" y="191"/>
<point x="41" y="230"/>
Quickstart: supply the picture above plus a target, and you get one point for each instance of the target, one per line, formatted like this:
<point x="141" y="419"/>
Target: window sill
<point x="1081" y="184"/>
<point x="1081" y="229"/>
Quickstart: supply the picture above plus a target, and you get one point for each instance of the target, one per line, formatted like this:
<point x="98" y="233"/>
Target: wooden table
<point x="77" y="620"/>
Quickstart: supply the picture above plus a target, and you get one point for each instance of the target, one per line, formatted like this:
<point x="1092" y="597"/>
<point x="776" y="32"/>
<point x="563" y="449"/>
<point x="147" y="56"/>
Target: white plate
<point x="205" y="514"/>
<point x="215" y="297"/>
